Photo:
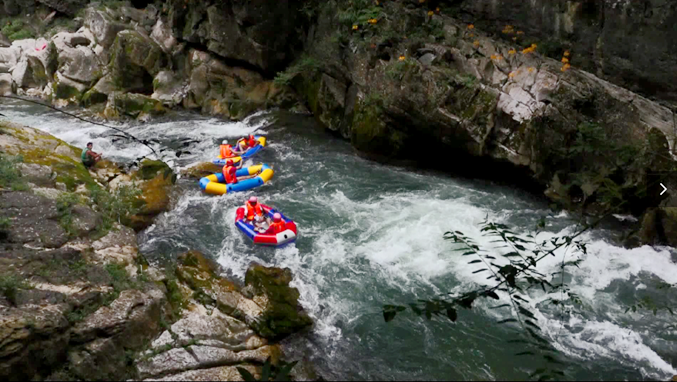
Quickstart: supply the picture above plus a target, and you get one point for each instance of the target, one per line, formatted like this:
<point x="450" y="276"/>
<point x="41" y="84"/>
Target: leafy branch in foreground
<point x="511" y="272"/>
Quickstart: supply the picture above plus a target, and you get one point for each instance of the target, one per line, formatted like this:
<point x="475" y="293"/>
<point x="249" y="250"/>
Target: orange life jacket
<point x="226" y="151"/>
<point x="252" y="211"/>
<point x="252" y="141"/>
<point x="229" y="174"/>
<point x="278" y="227"/>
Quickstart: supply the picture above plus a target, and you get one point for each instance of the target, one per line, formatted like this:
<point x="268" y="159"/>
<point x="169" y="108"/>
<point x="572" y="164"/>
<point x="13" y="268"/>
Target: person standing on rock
<point x="89" y="157"/>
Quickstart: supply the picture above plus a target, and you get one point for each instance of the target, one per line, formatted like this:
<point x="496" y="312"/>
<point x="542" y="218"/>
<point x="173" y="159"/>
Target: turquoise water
<point x="371" y="234"/>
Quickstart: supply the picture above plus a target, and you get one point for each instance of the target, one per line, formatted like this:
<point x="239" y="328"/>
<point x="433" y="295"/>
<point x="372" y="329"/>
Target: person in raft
<point x="254" y="211"/>
<point x="226" y="150"/>
<point x="89" y="157"/>
<point x="229" y="172"/>
<point x="278" y="225"/>
<point x="245" y="144"/>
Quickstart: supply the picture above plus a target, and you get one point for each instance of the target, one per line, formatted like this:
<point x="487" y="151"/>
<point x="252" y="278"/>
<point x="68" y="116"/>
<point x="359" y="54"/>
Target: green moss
<point x="149" y="169"/>
<point x="64" y="91"/>
<point x="369" y="131"/>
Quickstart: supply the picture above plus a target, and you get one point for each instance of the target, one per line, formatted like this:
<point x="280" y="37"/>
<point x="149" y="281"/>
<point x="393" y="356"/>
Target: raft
<point x="247" y="154"/>
<point x="285" y="237"/>
<point x="215" y="184"/>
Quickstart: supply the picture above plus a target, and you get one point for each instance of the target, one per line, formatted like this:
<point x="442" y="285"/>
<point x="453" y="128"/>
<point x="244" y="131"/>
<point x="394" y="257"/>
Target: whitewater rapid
<point x="373" y="235"/>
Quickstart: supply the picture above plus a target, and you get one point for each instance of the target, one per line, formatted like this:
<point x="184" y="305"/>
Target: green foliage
<point x="270" y="372"/>
<point x="174" y="295"/>
<point x="116" y="206"/>
<point x="119" y="277"/>
<point x="590" y="139"/>
<point x="10" y="176"/>
<point x="306" y="64"/>
<point x="64" y="205"/>
<point x="10" y="285"/>
<point x="358" y="12"/>
<point x="16" y="29"/>
<point x="469" y="81"/>
<point x="398" y="69"/>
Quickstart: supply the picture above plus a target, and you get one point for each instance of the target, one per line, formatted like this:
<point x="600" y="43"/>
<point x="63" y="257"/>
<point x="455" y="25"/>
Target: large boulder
<point x="104" y="25"/>
<point x="131" y="105"/>
<point x="135" y="60"/>
<point x="261" y="33"/>
<point x="77" y="57"/>
<point x="168" y="88"/>
<point x="282" y="314"/>
<point x="155" y="180"/>
<point x="219" y="89"/>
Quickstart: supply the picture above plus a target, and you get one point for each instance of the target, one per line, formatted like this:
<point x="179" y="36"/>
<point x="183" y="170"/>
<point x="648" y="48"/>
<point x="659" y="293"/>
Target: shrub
<point x="10" y="176"/>
<point x="305" y="64"/>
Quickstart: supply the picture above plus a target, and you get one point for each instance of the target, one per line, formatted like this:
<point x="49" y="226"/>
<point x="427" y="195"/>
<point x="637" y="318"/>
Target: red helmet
<point x="277" y="217"/>
<point x="229" y="162"/>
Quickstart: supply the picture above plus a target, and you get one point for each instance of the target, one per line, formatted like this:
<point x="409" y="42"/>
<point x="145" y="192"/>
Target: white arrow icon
<point x="664" y="189"/>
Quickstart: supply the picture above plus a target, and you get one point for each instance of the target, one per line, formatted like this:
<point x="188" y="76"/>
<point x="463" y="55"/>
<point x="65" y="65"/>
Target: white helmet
<point x="225" y="142"/>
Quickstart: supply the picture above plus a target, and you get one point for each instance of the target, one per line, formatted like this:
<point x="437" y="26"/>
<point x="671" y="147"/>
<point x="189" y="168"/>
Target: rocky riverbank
<point x="78" y="301"/>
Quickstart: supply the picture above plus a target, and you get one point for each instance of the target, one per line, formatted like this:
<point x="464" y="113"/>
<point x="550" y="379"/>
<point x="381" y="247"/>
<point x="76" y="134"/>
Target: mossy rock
<point x="149" y="169"/>
<point x="282" y="313"/>
<point x="37" y="147"/>
<point x="201" y="170"/>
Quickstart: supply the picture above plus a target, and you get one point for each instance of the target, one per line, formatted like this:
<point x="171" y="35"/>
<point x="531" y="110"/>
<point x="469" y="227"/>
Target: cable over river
<point x="371" y="234"/>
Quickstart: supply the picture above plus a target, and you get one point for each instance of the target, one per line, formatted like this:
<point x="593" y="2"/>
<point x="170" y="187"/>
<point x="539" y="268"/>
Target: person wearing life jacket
<point x="252" y="141"/>
<point x="241" y="146"/>
<point x="254" y="210"/>
<point x="278" y="225"/>
<point x="226" y="150"/>
<point x="229" y="172"/>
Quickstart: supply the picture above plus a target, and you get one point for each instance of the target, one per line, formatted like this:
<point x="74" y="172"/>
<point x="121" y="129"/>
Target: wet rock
<point x="24" y="209"/>
<point x="223" y="373"/>
<point x="282" y="314"/>
<point x="154" y="198"/>
<point x="132" y="105"/>
<point x="201" y="170"/>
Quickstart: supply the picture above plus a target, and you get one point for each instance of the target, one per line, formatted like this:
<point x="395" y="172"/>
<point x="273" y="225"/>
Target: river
<point x="371" y="234"/>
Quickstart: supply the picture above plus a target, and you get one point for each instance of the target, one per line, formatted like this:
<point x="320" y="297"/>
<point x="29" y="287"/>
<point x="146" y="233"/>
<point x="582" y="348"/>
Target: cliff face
<point x="632" y="44"/>
<point x="402" y="81"/>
